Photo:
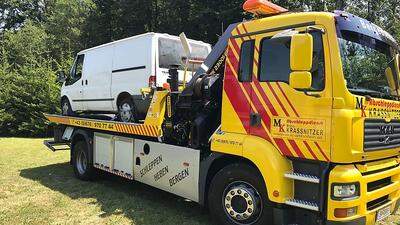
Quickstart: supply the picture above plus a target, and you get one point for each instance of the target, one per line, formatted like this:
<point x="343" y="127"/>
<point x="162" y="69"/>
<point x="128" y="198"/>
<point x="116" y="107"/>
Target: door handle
<point x="82" y="82"/>
<point x="86" y="82"/>
<point x="255" y="119"/>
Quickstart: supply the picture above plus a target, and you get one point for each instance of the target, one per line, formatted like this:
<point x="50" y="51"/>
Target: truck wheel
<point x="83" y="167"/>
<point x="237" y="195"/>
<point x="126" y="111"/>
<point x="66" y="108"/>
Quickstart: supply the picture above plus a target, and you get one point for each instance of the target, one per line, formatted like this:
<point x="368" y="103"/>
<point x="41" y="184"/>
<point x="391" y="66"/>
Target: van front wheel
<point x="126" y="111"/>
<point x="66" y="108"/>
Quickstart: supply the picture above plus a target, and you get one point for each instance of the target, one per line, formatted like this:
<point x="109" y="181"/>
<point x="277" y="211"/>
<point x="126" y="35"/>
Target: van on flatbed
<point x="109" y="78"/>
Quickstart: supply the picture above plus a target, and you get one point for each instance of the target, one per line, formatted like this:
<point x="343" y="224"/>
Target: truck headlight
<point x="345" y="191"/>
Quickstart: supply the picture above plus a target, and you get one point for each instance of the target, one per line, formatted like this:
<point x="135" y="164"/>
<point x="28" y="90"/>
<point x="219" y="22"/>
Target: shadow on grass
<point x="140" y="203"/>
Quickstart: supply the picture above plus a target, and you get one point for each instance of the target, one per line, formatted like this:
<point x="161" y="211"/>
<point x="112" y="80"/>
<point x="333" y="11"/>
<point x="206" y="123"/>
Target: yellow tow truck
<point x="293" y="118"/>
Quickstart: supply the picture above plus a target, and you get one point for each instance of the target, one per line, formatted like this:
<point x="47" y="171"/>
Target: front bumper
<point x="359" y="221"/>
<point x="379" y="188"/>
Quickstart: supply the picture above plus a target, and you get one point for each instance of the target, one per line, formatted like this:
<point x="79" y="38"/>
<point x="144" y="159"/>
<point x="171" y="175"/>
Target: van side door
<point x="97" y="79"/>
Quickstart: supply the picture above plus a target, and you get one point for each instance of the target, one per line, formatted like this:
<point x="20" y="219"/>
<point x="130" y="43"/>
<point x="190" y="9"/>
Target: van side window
<point x="246" y="61"/>
<point x="275" y="61"/>
<point x="76" y="72"/>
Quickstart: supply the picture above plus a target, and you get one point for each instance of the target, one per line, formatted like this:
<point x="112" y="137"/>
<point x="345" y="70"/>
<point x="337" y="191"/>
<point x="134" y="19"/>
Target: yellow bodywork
<point x="259" y="152"/>
<point x="333" y="112"/>
<point x="364" y="174"/>
<point x="156" y="111"/>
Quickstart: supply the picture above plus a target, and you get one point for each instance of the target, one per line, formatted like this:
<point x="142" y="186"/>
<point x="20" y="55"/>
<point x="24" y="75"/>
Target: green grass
<point x="37" y="186"/>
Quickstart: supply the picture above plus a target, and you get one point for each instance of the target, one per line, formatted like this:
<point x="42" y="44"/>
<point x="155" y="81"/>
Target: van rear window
<point x="171" y="53"/>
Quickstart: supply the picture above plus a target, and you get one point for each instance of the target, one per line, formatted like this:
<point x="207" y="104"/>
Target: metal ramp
<point x="104" y="125"/>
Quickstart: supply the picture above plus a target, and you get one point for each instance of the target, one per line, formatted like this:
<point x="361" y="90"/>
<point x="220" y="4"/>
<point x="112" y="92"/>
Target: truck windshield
<point x="368" y="66"/>
<point x="171" y="53"/>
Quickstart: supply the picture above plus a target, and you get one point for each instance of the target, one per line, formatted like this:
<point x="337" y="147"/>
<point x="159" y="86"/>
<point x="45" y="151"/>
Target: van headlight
<point x="345" y="191"/>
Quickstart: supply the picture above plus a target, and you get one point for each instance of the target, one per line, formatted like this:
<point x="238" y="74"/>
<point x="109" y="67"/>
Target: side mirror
<point x="397" y="65"/>
<point x="390" y="78"/>
<point x="300" y="80"/>
<point x="301" y="59"/>
<point x="61" y="77"/>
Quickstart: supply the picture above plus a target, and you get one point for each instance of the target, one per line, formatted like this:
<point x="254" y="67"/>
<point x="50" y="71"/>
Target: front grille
<point x="379" y="135"/>
<point x="378" y="202"/>
<point x="372" y="186"/>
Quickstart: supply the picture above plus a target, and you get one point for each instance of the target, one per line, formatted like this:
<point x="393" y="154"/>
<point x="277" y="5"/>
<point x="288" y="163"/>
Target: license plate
<point x="383" y="214"/>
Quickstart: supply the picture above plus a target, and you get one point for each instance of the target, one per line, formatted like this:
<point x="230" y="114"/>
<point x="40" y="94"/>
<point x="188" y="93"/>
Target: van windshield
<point x="171" y="53"/>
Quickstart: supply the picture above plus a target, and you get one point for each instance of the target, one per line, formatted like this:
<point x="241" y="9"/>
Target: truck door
<point x="236" y="104"/>
<point x="296" y="122"/>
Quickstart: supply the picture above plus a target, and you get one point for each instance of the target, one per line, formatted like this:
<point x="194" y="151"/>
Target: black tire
<point x="126" y="111"/>
<point x="83" y="165"/>
<point x="66" y="109"/>
<point x="235" y="190"/>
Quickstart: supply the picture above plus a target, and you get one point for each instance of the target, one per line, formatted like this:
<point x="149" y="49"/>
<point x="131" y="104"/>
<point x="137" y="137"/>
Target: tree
<point x="27" y="82"/>
<point x="13" y="13"/>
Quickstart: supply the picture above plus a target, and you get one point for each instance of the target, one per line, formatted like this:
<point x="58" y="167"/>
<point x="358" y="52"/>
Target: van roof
<point x="150" y="34"/>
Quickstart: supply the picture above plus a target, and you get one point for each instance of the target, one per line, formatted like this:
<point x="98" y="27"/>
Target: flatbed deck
<point x="103" y="125"/>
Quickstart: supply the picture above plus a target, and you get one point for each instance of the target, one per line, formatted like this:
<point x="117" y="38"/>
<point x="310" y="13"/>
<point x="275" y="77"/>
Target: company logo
<point x="278" y="123"/>
<point x="360" y="105"/>
<point x="386" y="131"/>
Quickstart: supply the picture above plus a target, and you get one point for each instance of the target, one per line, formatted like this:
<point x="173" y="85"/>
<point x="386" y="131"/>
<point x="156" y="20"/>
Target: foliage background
<point x="40" y="37"/>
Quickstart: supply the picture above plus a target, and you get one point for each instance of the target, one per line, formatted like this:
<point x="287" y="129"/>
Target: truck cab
<point x="320" y="89"/>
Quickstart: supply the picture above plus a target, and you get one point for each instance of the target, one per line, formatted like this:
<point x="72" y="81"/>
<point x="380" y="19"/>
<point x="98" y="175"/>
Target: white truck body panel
<point x="170" y="168"/>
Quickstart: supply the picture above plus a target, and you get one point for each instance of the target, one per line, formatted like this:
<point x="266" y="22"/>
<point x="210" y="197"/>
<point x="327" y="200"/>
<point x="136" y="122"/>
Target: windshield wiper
<point x="372" y="93"/>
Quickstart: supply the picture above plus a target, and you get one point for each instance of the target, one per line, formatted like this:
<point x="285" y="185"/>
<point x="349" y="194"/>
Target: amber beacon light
<point x="263" y="8"/>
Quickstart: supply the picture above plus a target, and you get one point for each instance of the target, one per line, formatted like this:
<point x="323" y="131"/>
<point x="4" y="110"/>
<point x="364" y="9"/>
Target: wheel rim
<point x="81" y="163"/>
<point x="126" y="112"/>
<point x="242" y="203"/>
<point x="65" y="108"/>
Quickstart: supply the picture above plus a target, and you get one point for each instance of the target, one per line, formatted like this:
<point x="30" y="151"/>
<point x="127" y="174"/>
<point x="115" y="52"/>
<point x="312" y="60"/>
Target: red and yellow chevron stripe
<point x="268" y="99"/>
<point x="125" y="128"/>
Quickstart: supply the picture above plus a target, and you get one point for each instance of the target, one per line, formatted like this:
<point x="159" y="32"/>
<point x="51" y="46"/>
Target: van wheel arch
<point x="64" y="98"/>
<point x="67" y="100"/>
<point x="121" y="97"/>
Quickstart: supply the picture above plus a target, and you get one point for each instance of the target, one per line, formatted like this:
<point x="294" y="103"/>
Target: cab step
<point x="303" y="204"/>
<point x="303" y="177"/>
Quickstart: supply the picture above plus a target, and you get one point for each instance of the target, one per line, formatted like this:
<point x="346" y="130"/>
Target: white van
<point x="109" y="78"/>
